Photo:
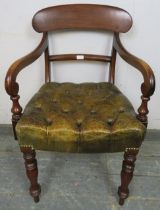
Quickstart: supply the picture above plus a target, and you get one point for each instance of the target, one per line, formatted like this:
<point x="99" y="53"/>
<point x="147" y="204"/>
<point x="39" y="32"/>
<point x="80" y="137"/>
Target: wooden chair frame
<point x="106" y="13"/>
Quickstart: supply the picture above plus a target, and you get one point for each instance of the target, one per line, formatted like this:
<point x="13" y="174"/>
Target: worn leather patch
<point x="87" y="117"/>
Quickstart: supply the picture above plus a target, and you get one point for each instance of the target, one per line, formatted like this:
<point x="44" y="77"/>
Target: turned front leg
<point x="32" y="172"/>
<point x="17" y="112"/>
<point x="127" y="173"/>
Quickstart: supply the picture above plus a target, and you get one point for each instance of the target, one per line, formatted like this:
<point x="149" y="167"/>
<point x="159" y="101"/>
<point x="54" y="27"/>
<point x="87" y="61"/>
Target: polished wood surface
<point x="148" y="85"/>
<point x="87" y="57"/>
<point x="11" y="85"/>
<point x="139" y="64"/>
<point x="86" y="17"/>
<point x="82" y="16"/>
<point x="112" y="66"/>
<point x="32" y="172"/>
<point x="47" y="66"/>
<point x="16" y="113"/>
<point x="143" y="110"/>
<point x="127" y="173"/>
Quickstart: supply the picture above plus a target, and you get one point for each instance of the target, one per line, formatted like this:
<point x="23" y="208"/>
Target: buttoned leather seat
<point x="87" y="117"/>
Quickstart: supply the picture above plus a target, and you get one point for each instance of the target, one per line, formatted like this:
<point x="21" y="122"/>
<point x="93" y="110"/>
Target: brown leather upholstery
<point x="87" y="117"/>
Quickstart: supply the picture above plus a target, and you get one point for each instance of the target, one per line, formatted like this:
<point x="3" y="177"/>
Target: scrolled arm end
<point x="148" y="85"/>
<point x="12" y="87"/>
<point x="148" y="88"/>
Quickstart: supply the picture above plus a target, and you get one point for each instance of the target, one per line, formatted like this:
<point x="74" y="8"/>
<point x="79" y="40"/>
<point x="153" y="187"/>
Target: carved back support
<point x="82" y="17"/>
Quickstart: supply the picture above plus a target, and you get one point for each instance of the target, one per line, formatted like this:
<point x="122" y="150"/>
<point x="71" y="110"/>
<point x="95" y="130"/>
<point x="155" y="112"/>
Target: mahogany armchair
<point x="86" y="117"/>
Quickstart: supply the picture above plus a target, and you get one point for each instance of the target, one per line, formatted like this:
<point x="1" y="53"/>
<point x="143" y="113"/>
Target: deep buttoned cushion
<point x="87" y="117"/>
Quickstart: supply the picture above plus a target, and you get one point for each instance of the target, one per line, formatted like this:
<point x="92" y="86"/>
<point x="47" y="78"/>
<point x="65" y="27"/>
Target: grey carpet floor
<point x="78" y="181"/>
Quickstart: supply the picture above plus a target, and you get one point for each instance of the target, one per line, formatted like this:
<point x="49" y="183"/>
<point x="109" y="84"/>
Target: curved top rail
<point x="82" y="16"/>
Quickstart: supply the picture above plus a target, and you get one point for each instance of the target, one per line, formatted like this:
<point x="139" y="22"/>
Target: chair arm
<point x="148" y="85"/>
<point x="11" y="85"/>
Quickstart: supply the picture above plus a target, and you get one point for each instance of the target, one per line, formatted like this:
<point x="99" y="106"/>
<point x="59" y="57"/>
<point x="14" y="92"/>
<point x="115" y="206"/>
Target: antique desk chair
<point x="86" y="117"/>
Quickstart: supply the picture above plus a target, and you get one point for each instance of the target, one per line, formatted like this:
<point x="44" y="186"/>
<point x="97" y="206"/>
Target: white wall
<point x="17" y="38"/>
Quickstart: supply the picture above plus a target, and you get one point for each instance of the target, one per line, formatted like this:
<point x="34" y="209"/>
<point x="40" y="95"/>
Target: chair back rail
<point x="87" y="57"/>
<point x="82" y="16"/>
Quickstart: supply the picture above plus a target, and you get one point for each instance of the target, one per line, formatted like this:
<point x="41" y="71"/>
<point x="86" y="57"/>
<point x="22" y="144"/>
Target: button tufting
<point x="80" y="102"/>
<point x="49" y="121"/>
<point x="93" y="111"/>
<point x="92" y="126"/>
<point x="38" y="108"/>
<point x="121" y="109"/>
<point x="79" y="122"/>
<point x="110" y="121"/>
<point x="65" y="110"/>
<point x="67" y="92"/>
<point x="79" y="126"/>
<point x="54" y="100"/>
